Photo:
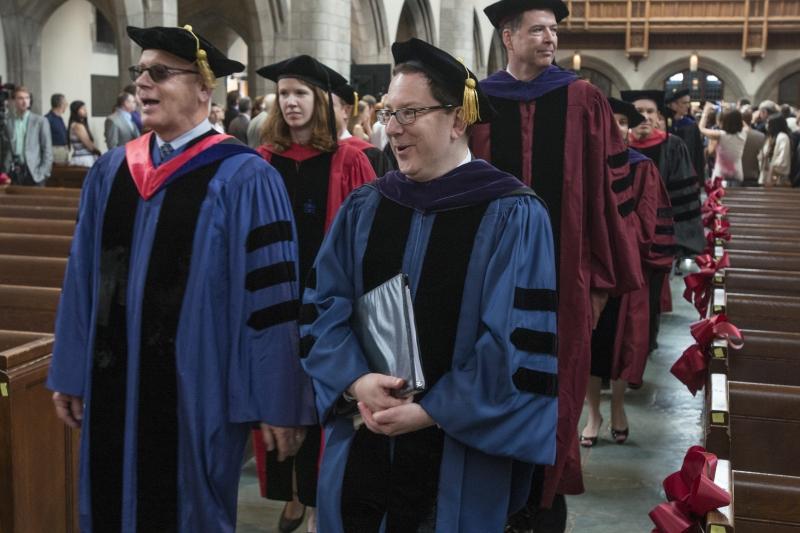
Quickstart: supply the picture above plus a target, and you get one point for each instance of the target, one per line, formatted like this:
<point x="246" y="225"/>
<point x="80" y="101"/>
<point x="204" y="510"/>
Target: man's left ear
<point x="459" y="125"/>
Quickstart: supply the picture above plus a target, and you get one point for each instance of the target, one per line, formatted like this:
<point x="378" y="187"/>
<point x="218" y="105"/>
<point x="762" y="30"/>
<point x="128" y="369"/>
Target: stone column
<point x="141" y="14"/>
<point x="321" y="28"/>
<point x="23" y="40"/>
<point x="456" y="31"/>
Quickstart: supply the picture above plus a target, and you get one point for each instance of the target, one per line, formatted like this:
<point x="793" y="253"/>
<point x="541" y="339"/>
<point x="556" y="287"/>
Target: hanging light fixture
<point x="576" y="61"/>
<point x="693" y="60"/>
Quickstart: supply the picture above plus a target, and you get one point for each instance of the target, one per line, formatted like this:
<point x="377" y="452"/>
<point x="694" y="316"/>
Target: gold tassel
<point x="355" y="104"/>
<point x="202" y="62"/>
<point x="470" y="108"/>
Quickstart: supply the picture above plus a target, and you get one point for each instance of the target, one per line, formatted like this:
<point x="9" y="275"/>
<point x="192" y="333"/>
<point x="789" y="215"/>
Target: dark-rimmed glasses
<point x="407" y="115"/>
<point x="158" y="72"/>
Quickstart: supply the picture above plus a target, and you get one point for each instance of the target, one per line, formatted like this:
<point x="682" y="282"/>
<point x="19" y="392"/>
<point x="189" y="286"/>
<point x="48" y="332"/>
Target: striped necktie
<point x="166" y="151"/>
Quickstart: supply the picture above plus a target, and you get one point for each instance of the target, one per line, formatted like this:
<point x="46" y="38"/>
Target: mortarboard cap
<point x="186" y="44"/>
<point x="306" y="68"/>
<point x="656" y="96"/>
<point x="451" y="74"/>
<point x="674" y="94"/>
<point x="502" y="11"/>
<point x="625" y="108"/>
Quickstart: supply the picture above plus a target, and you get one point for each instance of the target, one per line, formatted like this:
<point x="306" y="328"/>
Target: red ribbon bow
<point x="691" y="492"/>
<point x="714" y="185"/>
<point x="720" y="229"/>
<point x="699" y="285"/>
<point x="711" y="210"/>
<point x="691" y="368"/>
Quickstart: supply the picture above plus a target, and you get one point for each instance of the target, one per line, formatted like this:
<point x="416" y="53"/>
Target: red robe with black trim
<point x="656" y="237"/>
<point x="566" y="145"/>
<point x="349" y="169"/>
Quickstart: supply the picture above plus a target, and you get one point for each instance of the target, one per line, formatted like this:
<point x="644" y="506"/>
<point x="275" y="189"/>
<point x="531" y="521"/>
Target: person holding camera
<point x="28" y="158"/>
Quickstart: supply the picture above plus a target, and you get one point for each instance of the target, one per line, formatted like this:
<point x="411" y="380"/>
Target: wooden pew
<point x="67" y="176"/>
<point x="754" y="425"/>
<point x="38" y="212"/>
<point x="765" y="260"/>
<point x="761" y="312"/>
<point x="766" y="230"/>
<point x="759" y="502"/>
<point x="49" y="201"/>
<point x="35" y="245"/>
<point x="757" y="242"/>
<point x="28" y="308"/>
<point x="32" y="271"/>
<point x="766" y="357"/>
<point x="41" y="191"/>
<point x="760" y="281"/>
<point x="38" y="453"/>
<point x="35" y="226"/>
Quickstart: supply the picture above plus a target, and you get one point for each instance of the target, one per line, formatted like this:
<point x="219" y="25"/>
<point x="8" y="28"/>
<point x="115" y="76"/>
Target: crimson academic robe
<point x="564" y="143"/>
<point x="656" y="236"/>
<point x="377" y="158"/>
<point x="317" y="183"/>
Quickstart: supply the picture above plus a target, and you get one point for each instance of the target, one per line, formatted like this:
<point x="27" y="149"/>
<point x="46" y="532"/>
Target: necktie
<point x="166" y="151"/>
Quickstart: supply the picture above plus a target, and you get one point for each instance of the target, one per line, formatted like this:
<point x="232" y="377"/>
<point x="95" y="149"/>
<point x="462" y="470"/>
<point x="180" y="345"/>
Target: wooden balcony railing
<point x="752" y="19"/>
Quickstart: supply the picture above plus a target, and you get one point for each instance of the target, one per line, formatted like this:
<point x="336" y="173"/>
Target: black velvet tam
<point x="346" y="92"/>
<point x="632" y="96"/>
<point x="674" y="94"/>
<point x="445" y="70"/>
<point x="181" y="43"/>
<point x="502" y="11"/>
<point x="306" y="68"/>
<point x="624" y="108"/>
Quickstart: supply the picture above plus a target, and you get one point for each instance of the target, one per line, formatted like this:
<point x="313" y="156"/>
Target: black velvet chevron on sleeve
<point x="530" y="340"/>
<point x="269" y="234"/>
<point x="535" y="299"/>
<point x="536" y="382"/>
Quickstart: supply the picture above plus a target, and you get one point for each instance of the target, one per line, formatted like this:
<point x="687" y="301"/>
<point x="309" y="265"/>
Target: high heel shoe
<point x="287" y="525"/>
<point x="619" y="435"/>
<point x="588" y="442"/>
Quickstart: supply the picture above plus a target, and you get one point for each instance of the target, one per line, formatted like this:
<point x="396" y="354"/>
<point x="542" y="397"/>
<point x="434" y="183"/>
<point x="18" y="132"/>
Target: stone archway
<point x="769" y="87"/>
<point x="618" y="81"/>
<point x="734" y="88"/>
<point x="416" y="20"/>
<point x="369" y="34"/>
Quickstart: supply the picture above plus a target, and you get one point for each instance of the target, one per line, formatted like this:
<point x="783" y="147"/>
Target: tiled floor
<point x="622" y="482"/>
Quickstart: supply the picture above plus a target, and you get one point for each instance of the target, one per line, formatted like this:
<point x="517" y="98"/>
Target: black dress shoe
<point x="286" y="525"/>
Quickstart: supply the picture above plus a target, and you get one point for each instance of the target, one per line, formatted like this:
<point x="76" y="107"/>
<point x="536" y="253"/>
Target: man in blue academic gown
<point x="477" y="247"/>
<point x="177" y="328"/>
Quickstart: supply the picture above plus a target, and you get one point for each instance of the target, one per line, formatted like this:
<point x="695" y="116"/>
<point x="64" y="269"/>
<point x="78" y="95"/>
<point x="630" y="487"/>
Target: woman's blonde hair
<point x="276" y="131"/>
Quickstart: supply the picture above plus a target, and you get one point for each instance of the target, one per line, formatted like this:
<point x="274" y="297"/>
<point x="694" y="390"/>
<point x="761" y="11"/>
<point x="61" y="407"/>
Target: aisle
<point x="623" y="482"/>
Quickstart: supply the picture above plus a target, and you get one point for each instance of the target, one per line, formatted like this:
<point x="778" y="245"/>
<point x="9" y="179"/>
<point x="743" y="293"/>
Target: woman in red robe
<point x="621" y="339"/>
<point x="299" y="139"/>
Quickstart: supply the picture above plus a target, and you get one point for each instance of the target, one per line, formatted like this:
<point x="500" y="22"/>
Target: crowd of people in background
<point x="752" y="145"/>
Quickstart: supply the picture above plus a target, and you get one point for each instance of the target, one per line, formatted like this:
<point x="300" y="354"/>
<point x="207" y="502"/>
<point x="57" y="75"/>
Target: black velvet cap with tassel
<point x="309" y="70"/>
<point x="188" y="45"/>
<point x="625" y="108"/>
<point x="451" y="74"/>
<point x="504" y="10"/>
<point x="655" y="96"/>
<point x="674" y="94"/>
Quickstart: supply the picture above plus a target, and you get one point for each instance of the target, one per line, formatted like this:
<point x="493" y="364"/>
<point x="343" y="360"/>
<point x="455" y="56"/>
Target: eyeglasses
<point x="158" y="72"/>
<point x="407" y="115"/>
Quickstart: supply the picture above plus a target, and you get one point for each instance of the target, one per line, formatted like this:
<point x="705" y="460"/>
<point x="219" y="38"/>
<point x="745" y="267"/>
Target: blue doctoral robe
<point x="496" y="400"/>
<point x="229" y="360"/>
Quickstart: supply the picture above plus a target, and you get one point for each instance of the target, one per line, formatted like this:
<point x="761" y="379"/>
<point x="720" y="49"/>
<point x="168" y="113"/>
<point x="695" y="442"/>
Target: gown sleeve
<point x="332" y="355"/>
<point x="659" y="254"/>
<point x="502" y="400"/>
<point x="350" y="169"/>
<point x="266" y="382"/>
<point x="73" y="345"/>
<point x="615" y="259"/>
